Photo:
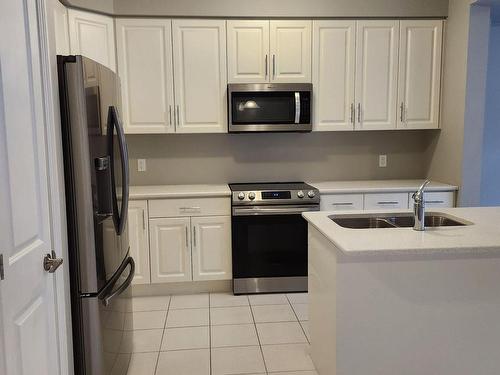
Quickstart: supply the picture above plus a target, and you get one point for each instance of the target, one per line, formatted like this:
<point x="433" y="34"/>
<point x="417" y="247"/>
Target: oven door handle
<point x="256" y="211"/>
<point x="297" y="107"/>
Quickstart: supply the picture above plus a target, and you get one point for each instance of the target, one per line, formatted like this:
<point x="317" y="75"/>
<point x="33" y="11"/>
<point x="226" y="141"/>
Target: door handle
<point x="265" y="63"/>
<point x="170" y="115"/>
<point x="178" y="117"/>
<point x="352" y="113"/>
<point x="359" y="113"/>
<point x="51" y="262"/>
<point x="187" y="240"/>
<point x="144" y="219"/>
<point x="194" y="237"/>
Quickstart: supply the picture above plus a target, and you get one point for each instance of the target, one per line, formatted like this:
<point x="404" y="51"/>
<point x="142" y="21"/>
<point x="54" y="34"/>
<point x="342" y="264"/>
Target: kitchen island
<point x="397" y="301"/>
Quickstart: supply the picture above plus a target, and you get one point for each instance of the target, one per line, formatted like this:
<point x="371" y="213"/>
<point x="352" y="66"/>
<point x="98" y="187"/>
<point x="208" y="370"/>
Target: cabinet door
<point x="290" y="47"/>
<point x="419" y="74"/>
<point x="376" y="74"/>
<point x="139" y="240"/>
<point x="200" y="75"/>
<point x="92" y="35"/>
<point x="333" y="75"/>
<point x="144" y="49"/>
<point x="248" y="51"/>
<point x="170" y="250"/>
<point x="211" y="248"/>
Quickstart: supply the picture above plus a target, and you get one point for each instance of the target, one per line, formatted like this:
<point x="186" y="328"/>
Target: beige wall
<point x="446" y="155"/>
<point x="220" y="158"/>
<point x="271" y="8"/>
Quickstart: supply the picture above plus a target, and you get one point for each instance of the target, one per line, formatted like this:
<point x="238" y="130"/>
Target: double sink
<point x="395" y="220"/>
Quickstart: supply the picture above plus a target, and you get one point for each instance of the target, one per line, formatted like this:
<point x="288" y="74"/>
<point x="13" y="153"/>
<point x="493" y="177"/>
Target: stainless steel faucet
<point x="419" y="207"/>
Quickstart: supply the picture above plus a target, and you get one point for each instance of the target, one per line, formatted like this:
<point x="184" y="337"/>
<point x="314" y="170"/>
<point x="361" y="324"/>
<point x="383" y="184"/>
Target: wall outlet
<point x="141" y="165"/>
<point x="382" y="161"/>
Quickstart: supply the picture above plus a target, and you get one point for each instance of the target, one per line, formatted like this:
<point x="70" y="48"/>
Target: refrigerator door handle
<point x="108" y="293"/>
<point x="119" y="217"/>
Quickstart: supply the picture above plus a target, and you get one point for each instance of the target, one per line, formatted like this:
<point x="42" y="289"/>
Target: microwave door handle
<point x="297" y="107"/>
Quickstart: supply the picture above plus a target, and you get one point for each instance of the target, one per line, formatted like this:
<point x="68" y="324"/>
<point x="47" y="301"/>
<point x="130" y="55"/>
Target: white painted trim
<point x="56" y="180"/>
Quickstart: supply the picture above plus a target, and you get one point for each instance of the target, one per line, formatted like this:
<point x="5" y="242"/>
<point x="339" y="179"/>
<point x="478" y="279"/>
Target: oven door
<point x="269" y="242"/>
<point x="269" y="110"/>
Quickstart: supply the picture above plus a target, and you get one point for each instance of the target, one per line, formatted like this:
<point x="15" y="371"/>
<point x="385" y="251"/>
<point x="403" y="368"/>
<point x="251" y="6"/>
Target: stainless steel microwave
<point x="269" y="107"/>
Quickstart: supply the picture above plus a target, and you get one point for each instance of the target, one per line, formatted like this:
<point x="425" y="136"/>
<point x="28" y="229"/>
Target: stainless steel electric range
<point x="269" y="236"/>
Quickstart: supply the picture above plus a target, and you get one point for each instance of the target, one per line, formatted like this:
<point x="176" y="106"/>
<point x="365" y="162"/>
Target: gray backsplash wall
<point x="222" y="158"/>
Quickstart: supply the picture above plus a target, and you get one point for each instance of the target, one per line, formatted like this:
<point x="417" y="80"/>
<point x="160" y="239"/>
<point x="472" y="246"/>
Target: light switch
<point x="141" y="165"/>
<point x="382" y="161"/>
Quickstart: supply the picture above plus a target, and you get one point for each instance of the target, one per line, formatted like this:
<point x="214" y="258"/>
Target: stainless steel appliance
<point x="269" y="236"/>
<point x="97" y="182"/>
<point x="270" y="107"/>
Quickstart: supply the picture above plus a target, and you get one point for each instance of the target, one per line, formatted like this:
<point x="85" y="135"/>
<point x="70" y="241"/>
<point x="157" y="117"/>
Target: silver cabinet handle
<point x="343" y="204"/>
<point x="382" y="203"/>
<point x="144" y="219"/>
<point x="352" y="113"/>
<point x="194" y="237"/>
<point x="175" y="118"/>
<point x="187" y="235"/>
<point x="178" y="117"/>
<point x="359" y="113"/>
<point x="435" y="202"/>
<point x="170" y="115"/>
<point x="265" y="63"/>
<point x="51" y="262"/>
<point x="402" y="108"/>
<point x="274" y="66"/>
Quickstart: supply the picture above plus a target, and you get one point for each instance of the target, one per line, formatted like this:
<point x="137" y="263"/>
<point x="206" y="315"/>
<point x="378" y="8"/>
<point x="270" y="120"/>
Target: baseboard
<point x="190" y="287"/>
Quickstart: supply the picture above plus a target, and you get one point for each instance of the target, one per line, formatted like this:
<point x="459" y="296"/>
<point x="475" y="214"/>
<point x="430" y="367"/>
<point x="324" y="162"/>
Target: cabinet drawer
<point x="436" y="199"/>
<point x="341" y="202"/>
<point x="386" y="201"/>
<point x="189" y="207"/>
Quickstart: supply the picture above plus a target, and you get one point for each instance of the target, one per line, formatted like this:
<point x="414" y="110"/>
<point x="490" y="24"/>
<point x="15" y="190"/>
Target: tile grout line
<point x="258" y="337"/>
<point x="298" y="320"/>
<point x="163" y="335"/>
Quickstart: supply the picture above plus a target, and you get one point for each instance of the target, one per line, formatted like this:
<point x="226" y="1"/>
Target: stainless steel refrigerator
<point x="97" y="183"/>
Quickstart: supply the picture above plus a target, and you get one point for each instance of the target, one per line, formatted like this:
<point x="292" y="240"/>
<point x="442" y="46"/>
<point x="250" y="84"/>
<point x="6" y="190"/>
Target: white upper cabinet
<point x="170" y="249"/>
<point x="139" y="240"/>
<point x="419" y="74"/>
<point x="333" y="75"/>
<point x="211" y="248"/>
<point x="200" y="77"/>
<point x="290" y="51"/>
<point x="376" y="74"/>
<point x="92" y="35"/>
<point x="248" y="51"/>
<point x="144" y="49"/>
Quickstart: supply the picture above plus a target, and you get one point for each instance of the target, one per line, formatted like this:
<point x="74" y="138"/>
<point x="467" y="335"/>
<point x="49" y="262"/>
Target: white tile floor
<point x="219" y="334"/>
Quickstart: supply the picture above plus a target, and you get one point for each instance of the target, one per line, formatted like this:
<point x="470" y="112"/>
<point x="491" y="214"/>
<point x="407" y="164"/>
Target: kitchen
<point x="237" y="131"/>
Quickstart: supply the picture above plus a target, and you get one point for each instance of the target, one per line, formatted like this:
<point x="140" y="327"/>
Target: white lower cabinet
<point x="170" y="249"/>
<point x="211" y="248"/>
<point x="435" y="199"/>
<point x="383" y="201"/>
<point x="139" y="240"/>
<point x="341" y="202"/>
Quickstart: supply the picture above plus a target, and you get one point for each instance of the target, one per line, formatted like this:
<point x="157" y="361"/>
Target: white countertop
<point x="374" y="186"/>
<point x="480" y="238"/>
<point x="178" y="191"/>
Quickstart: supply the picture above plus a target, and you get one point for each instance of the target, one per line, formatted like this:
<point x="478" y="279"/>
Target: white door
<point x="211" y="248"/>
<point x="92" y="35"/>
<point x="138" y="233"/>
<point x="333" y="75"/>
<point x="376" y="74"/>
<point x="28" y="309"/>
<point x="290" y="48"/>
<point x="170" y="248"/>
<point x="419" y="74"/>
<point x="144" y="49"/>
<point x="200" y="75"/>
<point x="248" y="51"/>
